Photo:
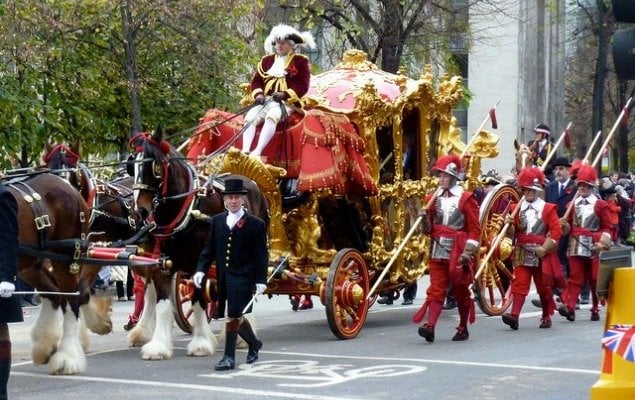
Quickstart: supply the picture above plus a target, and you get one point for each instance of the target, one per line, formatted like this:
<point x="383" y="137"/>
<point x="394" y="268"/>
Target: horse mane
<point x="60" y="156"/>
<point x="161" y="150"/>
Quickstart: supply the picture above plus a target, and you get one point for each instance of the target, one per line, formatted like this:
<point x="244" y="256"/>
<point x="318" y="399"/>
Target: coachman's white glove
<point x="198" y="279"/>
<point x="6" y="289"/>
<point x="260" y="288"/>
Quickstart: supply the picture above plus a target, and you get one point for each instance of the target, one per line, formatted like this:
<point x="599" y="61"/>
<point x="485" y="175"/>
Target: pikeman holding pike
<point x="535" y="226"/>
<point x="452" y="221"/>
<point x="588" y="216"/>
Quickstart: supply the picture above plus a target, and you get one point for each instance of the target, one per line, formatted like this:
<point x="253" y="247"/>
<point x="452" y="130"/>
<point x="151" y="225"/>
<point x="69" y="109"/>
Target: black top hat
<point x="561" y="161"/>
<point x="234" y="186"/>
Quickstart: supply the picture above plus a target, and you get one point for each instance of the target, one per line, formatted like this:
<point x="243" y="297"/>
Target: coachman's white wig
<point x="286" y="32"/>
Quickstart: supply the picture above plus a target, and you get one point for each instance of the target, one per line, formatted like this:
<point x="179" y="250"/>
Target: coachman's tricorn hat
<point x="286" y="32"/>
<point x="234" y="186"/>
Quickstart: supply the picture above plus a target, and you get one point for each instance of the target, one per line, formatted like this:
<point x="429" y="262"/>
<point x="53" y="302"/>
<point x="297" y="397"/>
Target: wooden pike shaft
<point x="501" y="235"/>
<point x="46" y="293"/>
<point x="480" y="128"/>
<point x="612" y="132"/>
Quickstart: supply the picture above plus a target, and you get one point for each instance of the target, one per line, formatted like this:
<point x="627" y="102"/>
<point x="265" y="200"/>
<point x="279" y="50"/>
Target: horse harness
<point x="38" y="208"/>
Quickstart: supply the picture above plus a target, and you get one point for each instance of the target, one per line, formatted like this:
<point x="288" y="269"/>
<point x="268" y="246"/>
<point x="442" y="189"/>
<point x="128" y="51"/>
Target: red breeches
<point x="581" y="270"/>
<point x="522" y="281"/>
<point x="439" y="281"/>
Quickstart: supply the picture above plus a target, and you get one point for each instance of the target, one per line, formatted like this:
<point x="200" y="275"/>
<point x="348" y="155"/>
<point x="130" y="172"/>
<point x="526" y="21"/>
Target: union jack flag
<point x="620" y="339"/>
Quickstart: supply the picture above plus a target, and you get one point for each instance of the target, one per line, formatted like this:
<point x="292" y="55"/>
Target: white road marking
<point x="173" y="385"/>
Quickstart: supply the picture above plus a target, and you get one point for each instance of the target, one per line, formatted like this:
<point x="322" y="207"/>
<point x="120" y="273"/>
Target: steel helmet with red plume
<point x="531" y="178"/>
<point x="587" y="174"/>
<point x="450" y="164"/>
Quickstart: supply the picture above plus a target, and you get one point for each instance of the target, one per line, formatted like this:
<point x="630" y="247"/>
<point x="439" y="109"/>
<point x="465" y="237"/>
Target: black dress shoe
<point x="129" y="325"/>
<point x="595" y="315"/>
<point x="426" y="331"/>
<point x="406" y="302"/>
<point x="511" y="320"/>
<point x="252" y="354"/>
<point x="386" y="300"/>
<point x="461" y="334"/>
<point x="565" y="312"/>
<point x="225" y="364"/>
<point x="295" y="302"/>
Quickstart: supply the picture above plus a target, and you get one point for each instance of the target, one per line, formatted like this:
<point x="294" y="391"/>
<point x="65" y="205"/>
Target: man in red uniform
<point x="538" y="231"/>
<point x="453" y="224"/>
<point x="591" y="227"/>
<point x="283" y="76"/>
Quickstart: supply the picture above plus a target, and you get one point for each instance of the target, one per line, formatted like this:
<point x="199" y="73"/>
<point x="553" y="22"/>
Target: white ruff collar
<point x="277" y="69"/>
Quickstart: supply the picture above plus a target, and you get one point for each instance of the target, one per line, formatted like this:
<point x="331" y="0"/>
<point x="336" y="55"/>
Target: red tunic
<point x="295" y="83"/>
<point x="585" y="269"/>
<point x="549" y="274"/>
<point x="468" y="207"/>
<point x="443" y="272"/>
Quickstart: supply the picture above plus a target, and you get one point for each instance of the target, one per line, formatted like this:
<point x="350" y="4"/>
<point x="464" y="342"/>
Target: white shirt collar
<point x="232" y="218"/>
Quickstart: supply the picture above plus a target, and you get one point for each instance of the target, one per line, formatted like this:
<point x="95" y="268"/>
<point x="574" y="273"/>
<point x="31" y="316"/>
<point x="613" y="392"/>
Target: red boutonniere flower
<point x="240" y="223"/>
<point x="568" y="190"/>
<point x="292" y="70"/>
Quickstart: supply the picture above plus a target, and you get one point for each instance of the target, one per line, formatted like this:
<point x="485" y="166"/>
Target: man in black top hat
<point x="237" y="242"/>
<point x="10" y="310"/>
<point x="560" y="191"/>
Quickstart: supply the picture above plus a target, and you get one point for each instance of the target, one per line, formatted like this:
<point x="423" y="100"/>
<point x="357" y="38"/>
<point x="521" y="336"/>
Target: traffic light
<point x="624" y="40"/>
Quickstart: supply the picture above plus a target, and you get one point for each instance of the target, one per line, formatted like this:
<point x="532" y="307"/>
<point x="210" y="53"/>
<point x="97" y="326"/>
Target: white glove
<point x="198" y="279"/>
<point x="260" y="288"/>
<point x="6" y="289"/>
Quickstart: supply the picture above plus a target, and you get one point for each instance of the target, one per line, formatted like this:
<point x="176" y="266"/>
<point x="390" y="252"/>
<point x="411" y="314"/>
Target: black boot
<point x="229" y="358"/>
<point x="247" y="333"/>
<point x="5" y="367"/>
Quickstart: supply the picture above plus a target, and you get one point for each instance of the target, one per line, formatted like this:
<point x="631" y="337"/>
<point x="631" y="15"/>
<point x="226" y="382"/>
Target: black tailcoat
<point x="10" y="309"/>
<point x="241" y="257"/>
<point x="561" y="200"/>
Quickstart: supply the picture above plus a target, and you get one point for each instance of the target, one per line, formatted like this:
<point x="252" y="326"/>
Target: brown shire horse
<point x="53" y="225"/>
<point x="110" y="202"/>
<point x="167" y="191"/>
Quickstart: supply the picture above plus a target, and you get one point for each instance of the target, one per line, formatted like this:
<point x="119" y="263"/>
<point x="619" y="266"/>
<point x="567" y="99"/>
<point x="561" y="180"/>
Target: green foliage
<point x="66" y="74"/>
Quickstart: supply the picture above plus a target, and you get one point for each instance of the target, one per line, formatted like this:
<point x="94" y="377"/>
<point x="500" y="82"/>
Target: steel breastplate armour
<point x="529" y="221"/>
<point x="584" y="217"/>
<point x="446" y="213"/>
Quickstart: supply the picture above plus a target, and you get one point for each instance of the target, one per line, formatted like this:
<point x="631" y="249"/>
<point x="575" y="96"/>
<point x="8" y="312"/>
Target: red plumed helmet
<point x="587" y="174"/>
<point x="531" y="178"/>
<point x="450" y="164"/>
